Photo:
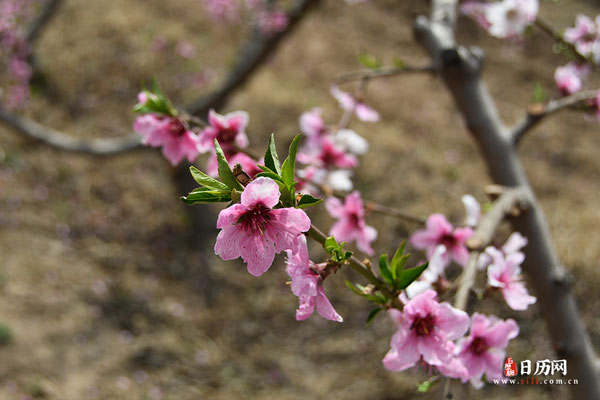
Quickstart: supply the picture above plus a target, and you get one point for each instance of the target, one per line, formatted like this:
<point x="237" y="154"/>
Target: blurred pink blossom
<point x="504" y="273"/>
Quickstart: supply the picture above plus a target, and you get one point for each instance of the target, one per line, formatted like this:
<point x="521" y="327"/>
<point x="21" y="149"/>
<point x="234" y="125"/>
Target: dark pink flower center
<point x="479" y="346"/>
<point x="226" y="136"/>
<point x="255" y="219"/>
<point x="176" y="127"/>
<point x="423" y="326"/>
<point x="448" y="240"/>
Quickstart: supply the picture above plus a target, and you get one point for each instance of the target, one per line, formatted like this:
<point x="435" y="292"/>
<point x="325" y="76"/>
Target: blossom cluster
<point x="269" y="20"/>
<point x="14" y="51"/>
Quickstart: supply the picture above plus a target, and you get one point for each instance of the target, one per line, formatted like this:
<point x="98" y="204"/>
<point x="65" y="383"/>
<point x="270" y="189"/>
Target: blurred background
<point x="106" y="294"/>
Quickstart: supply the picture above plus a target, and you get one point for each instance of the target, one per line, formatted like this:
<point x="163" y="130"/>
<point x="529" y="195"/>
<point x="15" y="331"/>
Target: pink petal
<point x="366" y="113"/>
<point x="216" y="120"/>
<point x="501" y="332"/>
<point x="460" y="254"/>
<point x="434" y="349"/>
<point x="306" y="307"/>
<point x="493" y="364"/>
<point x="324" y="307"/>
<point x="174" y="150"/>
<point x="345" y="100"/>
<point x="452" y="321"/>
<point x="227" y="245"/>
<point x="230" y="216"/>
<point x="423" y="239"/>
<point x="258" y="251"/>
<point x="403" y="354"/>
<point x="438" y="224"/>
<point x="334" y="207"/>
<point x="516" y="296"/>
<point x="364" y="238"/>
<point x="514" y="243"/>
<point x="262" y="191"/>
<point x="237" y="121"/>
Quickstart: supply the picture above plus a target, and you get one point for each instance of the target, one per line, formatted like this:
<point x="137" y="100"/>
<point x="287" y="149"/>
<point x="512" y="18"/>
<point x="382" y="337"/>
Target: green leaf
<point x="207" y="195"/>
<point x="225" y="171"/>
<point x="335" y="250"/>
<point x="271" y="158"/>
<point x="308" y="201"/>
<point x="206" y="180"/>
<point x="399" y="63"/>
<point x="408" y="276"/>
<point x="289" y="165"/>
<point x="384" y="268"/>
<point x="354" y="288"/>
<point x="424" y="387"/>
<point x="373" y="314"/>
<point x="538" y="94"/>
<point x="399" y="261"/>
<point x="156" y="102"/>
<point x="377" y="297"/>
<point x="368" y="61"/>
<point x="271" y="175"/>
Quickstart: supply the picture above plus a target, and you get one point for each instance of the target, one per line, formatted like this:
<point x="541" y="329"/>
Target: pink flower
<point x="503" y="19"/>
<point x="254" y="231"/>
<point x="426" y="329"/>
<point x="271" y="22"/>
<point x="312" y="124"/>
<point x="584" y="34"/>
<point x="504" y="273"/>
<point x="222" y="9"/>
<point x="308" y="285"/>
<point x="568" y="78"/>
<point x="176" y="141"/>
<point x="482" y="352"/>
<point x="349" y="103"/>
<point x="440" y="231"/>
<point x="512" y="247"/>
<point x="229" y="130"/>
<point x="326" y="155"/>
<point x="351" y="224"/>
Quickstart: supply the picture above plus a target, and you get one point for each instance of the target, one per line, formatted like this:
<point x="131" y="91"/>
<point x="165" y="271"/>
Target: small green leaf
<point x="271" y="175"/>
<point x="206" y="180"/>
<point x="384" y="268"/>
<point x="156" y="102"/>
<point x="271" y="158"/>
<point x="207" y="195"/>
<point x="399" y="63"/>
<point x="408" y="276"/>
<point x="373" y="314"/>
<point x="424" y="387"/>
<point x="308" y="201"/>
<point x="377" y="297"/>
<point x="354" y="288"/>
<point x="225" y="171"/>
<point x="399" y="261"/>
<point x="289" y="165"/>
<point x="538" y="94"/>
<point x="368" y="61"/>
<point x="335" y="250"/>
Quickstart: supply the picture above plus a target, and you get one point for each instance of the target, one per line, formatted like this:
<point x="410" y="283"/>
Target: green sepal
<point x="308" y="201"/>
<point x="225" y="172"/>
<point x="271" y="158"/>
<point x="207" y="195"/>
<point x="156" y="102"/>
<point x="271" y="175"/>
<point x="206" y="180"/>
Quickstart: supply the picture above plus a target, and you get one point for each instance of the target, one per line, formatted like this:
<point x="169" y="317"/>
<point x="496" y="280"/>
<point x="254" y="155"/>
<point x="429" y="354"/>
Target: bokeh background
<point x="105" y="293"/>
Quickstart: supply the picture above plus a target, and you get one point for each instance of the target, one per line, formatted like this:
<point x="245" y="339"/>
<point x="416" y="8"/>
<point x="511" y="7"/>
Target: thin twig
<point x="537" y="112"/>
<point x="381" y="73"/>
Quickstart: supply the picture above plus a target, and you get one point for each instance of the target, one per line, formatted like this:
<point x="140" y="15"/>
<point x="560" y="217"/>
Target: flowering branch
<point x="537" y="112"/>
<point x="460" y="69"/>
<point x="359" y="267"/>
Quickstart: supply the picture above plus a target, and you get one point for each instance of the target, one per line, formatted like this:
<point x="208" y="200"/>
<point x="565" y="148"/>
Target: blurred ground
<point x="106" y="297"/>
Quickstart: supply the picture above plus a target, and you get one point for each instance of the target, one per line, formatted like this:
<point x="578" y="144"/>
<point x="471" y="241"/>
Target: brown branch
<point x="537" y="112"/>
<point x="46" y="13"/>
<point x="105" y="146"/>
<point x="250" y="57"/>
<point x="460" y="69"/>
